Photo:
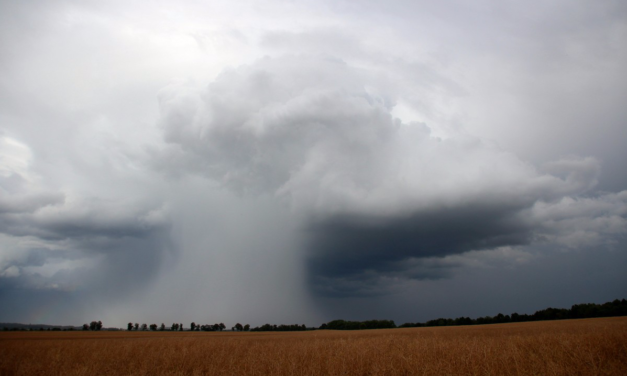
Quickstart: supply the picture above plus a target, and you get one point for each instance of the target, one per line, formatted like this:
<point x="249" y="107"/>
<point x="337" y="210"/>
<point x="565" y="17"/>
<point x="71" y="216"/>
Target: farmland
<point x="568" y="347"/>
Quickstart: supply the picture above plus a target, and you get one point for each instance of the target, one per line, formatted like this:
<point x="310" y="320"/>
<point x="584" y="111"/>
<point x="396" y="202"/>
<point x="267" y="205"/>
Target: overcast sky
<point x="303" y="161"/>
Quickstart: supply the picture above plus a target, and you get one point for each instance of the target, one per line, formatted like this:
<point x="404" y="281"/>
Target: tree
<point x="239" y="327"/>
<point x="85" y="327"/>
<point x="136" y="326"/>
<point x="144" y="326"/>
<point x="222" y="326"/>
<point x="129" y="326"/>
<point x="246" y="327"/>
<point x="99" y="325"/>
<point x="181" y="327"/>
<point x="162" y="327"/>
<point x="175" y="327"/>
<point x="153" y="327"/>
<point x="192" y="326"/>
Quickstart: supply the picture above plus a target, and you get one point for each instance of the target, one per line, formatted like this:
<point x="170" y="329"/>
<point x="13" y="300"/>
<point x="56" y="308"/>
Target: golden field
<point x="570" y="347"/>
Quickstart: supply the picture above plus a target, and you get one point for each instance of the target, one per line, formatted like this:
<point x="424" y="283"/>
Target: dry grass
<point x="573" y="347"/>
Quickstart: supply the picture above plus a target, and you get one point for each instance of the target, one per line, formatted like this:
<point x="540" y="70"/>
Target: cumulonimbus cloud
<point x="55" y="240"/>
<point x="374" y="190"/>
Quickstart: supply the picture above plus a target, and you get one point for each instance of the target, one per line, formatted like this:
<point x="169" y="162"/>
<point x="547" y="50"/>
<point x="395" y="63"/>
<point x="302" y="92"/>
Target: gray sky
<point x="301" y="161"/>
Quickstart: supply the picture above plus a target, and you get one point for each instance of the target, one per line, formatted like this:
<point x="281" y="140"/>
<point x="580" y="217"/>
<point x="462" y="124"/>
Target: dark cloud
<point x="80" y="223"/>
<point x="84" y="275"/>
<point x="349" y="247"/>
<point x="544" y="279"/>
<point x="72" y="245"/>
<point x="368" y="255"/>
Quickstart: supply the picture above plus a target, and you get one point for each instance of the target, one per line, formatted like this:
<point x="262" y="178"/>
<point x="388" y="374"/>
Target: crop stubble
<point x="571" y="347"/>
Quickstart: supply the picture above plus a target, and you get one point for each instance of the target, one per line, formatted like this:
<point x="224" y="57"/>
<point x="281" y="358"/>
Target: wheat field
<point x="571" y="347"/>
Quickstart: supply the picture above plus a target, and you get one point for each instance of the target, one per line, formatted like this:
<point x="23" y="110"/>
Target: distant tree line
<point x="177" y="327"/>
<point x="279" y="328"/>
<point x="94" y="325"/>
<point x="209" y="327"/>
<point x="577" y="311"/>
<point x="357" y="325"/>
<point x="38" y="328"/>
<point x="241" y="328"/>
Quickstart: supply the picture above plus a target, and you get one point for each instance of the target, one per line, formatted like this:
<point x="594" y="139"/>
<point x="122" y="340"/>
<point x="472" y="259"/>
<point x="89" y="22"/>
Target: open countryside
<point x="567" y="347"/>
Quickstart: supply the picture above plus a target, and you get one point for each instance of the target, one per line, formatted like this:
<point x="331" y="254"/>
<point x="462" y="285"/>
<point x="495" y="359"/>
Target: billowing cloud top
<point x="375" y="191"/>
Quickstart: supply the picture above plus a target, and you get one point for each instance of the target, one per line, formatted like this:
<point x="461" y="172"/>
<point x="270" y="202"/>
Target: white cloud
<point x="579" y="222"/>
<point x="320" y="134"/>
<point x="10" y="272"/>
<point x="15" y="157"/>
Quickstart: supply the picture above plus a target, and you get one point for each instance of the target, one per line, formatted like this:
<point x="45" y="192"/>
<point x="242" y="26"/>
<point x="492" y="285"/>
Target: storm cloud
<point x="302" y="162"/>
<point x="374" y="193"/>
<point x="71" y="245"/>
